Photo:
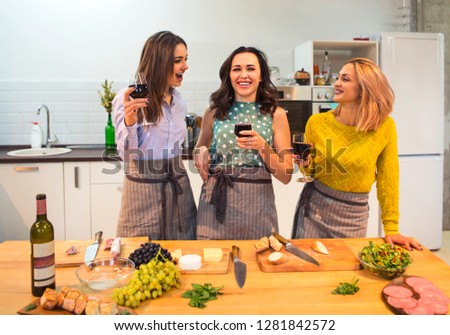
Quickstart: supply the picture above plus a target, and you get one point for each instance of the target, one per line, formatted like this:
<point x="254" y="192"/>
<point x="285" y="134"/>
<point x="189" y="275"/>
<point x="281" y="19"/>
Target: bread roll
<point x="277" y="258"/>
<point x="61" y="295"/>
<point x="108" y="308"/>
<point x="48" y="299"/>
<point x="70" y="299"/>
<point x="320" y="247"/>
<point x="80" y="304"/>
<point x="92" y="305"/>
<point x="275" y="244"/>
<point x="262" y="245"/>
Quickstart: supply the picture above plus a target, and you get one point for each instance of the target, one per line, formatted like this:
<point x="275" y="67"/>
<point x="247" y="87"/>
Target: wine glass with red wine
<point x="238" y="127"/>
<point x="140" y="83"/>
<point x="301" y="148"/>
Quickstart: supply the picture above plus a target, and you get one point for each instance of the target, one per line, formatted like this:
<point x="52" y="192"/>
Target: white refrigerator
<point x="414" y="66"/>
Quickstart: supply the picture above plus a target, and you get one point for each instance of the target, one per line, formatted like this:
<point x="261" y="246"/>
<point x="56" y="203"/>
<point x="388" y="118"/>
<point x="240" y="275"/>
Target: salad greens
<point x="200" y="294"/>
<point x="385" y="255"/>
<point x="347" y="288"/>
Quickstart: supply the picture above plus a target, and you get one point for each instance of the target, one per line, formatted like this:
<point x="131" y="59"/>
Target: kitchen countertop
<point x="281" y="293"/>
<point x="83" y="154"/>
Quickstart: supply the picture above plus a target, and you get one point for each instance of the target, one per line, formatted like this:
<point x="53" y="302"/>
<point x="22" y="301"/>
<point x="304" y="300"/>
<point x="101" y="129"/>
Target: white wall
<point x="58" y="52"/>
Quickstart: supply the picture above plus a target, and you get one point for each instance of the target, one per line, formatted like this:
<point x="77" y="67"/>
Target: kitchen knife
<point x="294" y="250"/>
<point x="91" y="250"/>
<point x="240" y="268"/>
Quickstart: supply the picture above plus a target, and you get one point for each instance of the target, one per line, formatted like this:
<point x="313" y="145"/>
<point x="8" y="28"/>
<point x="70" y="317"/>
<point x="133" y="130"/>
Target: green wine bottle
<point x="110" y="140"/>
<point x="42" y="239"/>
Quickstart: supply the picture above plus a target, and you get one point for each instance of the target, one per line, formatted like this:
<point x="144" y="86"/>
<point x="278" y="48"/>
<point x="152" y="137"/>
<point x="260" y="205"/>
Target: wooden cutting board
<point x="340" y="258"/>
<point x="63" y="260"/>
<point x="35" y="309"/>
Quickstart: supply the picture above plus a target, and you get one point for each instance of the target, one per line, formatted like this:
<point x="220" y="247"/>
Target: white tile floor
<point x="444" y="252"/>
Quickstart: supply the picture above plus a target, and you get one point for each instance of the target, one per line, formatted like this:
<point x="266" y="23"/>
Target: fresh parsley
<point x="347" y="288"/>
<point x="200" y="294"/>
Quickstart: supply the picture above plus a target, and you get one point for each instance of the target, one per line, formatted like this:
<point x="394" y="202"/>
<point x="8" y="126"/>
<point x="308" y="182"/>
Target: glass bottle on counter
<point x="316" y="73"/>
<point x="42" y="240"/>
<point x="326" y="69"/>
<point x="110" y="136"/>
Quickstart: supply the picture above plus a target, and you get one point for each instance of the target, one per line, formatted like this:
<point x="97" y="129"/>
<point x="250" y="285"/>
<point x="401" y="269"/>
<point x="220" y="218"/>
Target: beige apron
<point x="157" y="201"/>
<point x="323" y="212"/>
<point x="237" y="204"/>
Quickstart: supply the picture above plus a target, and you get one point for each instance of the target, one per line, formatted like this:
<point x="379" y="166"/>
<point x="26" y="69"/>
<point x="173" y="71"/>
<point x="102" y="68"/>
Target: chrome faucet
<point x="49" y="140"/>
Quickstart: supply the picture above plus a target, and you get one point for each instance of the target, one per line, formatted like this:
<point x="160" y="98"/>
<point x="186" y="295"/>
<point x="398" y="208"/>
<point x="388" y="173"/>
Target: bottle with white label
<point x="326" y="69"/>
<point x="42" y="240"/>
<point x="36" y="136"/>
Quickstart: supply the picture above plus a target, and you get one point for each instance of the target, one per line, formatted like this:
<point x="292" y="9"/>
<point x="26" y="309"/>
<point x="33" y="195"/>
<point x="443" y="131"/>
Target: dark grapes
<point x="147" y="252"/>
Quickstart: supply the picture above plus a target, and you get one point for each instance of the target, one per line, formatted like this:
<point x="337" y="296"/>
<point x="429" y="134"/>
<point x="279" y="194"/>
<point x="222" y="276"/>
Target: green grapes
<point x="148" y="282"/>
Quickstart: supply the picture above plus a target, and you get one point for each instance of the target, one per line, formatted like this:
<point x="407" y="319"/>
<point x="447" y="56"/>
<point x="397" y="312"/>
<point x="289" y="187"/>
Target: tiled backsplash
<point x="76" y="116"/>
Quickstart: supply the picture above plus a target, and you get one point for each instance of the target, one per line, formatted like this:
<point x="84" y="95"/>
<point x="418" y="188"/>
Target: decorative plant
<point x="107" y="96"/>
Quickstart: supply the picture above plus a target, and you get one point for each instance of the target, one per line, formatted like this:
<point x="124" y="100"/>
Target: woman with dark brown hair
<point x="157" y="199"/>
<point x="355" y="145"/>
<point x="237" y="199"/>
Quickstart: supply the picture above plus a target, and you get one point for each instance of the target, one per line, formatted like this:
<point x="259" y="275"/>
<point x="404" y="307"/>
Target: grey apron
<point x="157" y="201"/>
<point x="323" y="212"/>
<point x="237" y="204"/>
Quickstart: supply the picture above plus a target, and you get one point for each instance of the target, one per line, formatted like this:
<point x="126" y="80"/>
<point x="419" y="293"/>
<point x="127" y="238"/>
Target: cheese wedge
<point x="176" y="254"/>
<point x="212" y="255"/>
<point x="320" y="247"/>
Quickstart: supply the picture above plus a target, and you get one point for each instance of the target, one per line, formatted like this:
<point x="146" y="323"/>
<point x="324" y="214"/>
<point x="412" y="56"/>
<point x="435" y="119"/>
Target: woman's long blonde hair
<point x="377" y="96"/>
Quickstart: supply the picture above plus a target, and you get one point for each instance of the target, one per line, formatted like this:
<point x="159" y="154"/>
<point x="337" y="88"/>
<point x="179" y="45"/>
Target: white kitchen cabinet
<point x="77" y="200"/>
<point x="19" y="185"/>
<point x="286" y="198"/>
<point x="106" y="195"/>
<point x="421" y="212"/>
<point x="194" y="178"/>
<point x="308" y="53"/>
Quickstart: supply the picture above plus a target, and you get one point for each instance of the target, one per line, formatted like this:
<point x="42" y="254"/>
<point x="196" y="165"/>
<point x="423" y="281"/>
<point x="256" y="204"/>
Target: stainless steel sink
<point x="38" y="152"/>
<point x="86" y="146"/>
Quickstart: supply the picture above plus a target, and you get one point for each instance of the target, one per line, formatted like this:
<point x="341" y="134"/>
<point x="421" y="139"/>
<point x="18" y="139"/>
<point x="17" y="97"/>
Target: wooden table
<point x="286" y="293"/>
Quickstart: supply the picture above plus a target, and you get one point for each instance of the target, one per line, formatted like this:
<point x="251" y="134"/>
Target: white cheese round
<point x="190" y="262"/>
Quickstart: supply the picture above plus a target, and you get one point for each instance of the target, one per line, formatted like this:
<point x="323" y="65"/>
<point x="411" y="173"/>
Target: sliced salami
<point x="417" y="282"/>
<point x="416" y="296"/>
<point x="408" y="302"/>
<point x="441" y="309"/>
<point x="397" y="291"/>
<point x="420" y="310"/>
<point x="435" y="296"/>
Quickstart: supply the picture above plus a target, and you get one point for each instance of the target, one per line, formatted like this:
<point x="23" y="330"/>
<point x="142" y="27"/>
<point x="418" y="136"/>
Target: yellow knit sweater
<point x="351" y="161"/>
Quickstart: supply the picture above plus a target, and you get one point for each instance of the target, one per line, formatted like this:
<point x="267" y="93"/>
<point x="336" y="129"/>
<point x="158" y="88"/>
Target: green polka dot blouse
<point x="224" y="150"/>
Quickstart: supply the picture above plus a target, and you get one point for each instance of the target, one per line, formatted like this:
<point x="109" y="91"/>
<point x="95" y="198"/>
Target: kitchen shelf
<point x="308" y="53"/>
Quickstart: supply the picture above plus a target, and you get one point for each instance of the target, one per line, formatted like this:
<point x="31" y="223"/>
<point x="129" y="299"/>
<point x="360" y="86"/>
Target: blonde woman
<point x="355" y="145"/>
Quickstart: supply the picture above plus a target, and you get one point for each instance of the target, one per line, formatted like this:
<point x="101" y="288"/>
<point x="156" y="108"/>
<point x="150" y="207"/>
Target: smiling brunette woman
<point x="237" y="199"/>
<point x="157" y="199"/>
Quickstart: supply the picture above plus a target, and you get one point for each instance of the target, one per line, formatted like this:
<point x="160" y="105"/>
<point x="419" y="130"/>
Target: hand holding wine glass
<point x="141" y="90"/>
<point x="238" y="127"/>
<point x="302" y="149"/>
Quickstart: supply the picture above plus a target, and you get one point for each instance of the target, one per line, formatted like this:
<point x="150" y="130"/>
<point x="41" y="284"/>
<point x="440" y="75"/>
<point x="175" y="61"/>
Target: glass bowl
<point x="382" y="272"/>
<point x="106" y="273"/>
